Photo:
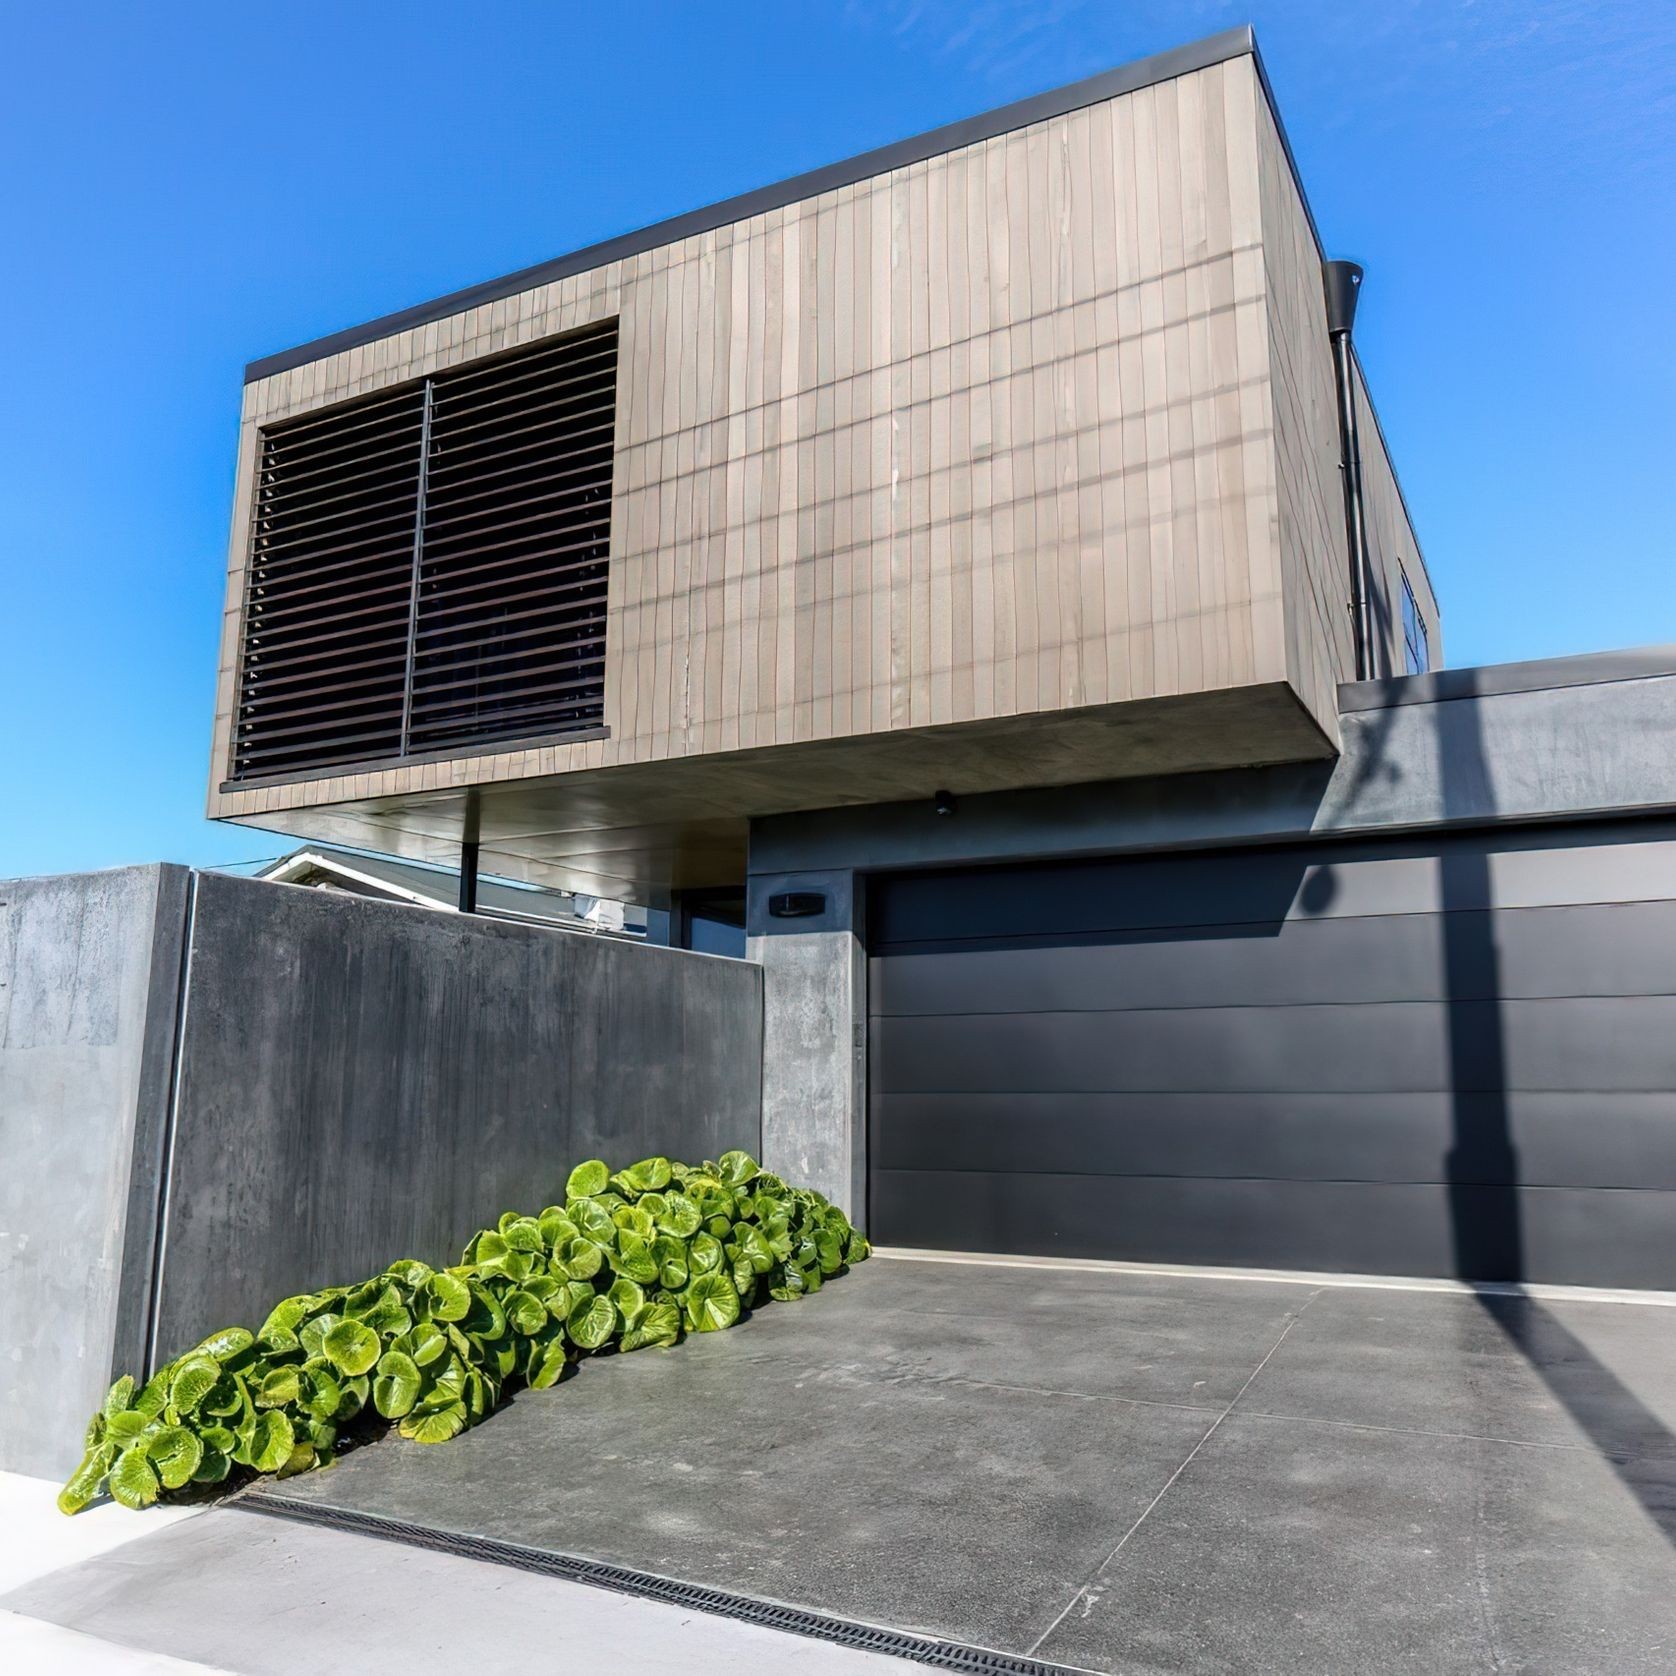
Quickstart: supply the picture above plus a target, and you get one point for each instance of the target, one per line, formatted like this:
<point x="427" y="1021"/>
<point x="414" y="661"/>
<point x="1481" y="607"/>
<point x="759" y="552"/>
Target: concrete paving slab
<point x="1303" y="1549"/>
<point x="240" y="1592"/>
<point x="1146" y="1338"/>
<point x="831" y="1476"/>
<point x="1590" y="1375"/>
<point x="1135" y="1473"/>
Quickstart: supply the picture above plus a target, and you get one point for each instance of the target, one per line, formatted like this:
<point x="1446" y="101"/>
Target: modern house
<point x="977" y="571"/>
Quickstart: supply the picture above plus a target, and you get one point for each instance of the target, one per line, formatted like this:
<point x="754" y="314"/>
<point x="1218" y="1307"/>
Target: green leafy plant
<point x="632" y="1258"/>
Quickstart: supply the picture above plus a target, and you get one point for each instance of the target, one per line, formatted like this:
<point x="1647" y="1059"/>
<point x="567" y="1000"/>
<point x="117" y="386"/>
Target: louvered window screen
<point x="428" y="566"/>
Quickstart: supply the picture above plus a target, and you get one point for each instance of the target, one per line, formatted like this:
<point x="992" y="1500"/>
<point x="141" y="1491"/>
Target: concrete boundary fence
<point x="216" y="1091"/>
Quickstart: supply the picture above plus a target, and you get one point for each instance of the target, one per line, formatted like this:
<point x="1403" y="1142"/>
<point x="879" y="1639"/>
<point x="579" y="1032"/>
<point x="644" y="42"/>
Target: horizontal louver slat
<point x="331" y="570"/>
<point x="428" y="566"/>
<point x="496" y="564"/>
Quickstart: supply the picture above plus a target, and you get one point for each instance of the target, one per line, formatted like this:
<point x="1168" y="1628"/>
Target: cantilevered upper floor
<point x="1006" y="456"/>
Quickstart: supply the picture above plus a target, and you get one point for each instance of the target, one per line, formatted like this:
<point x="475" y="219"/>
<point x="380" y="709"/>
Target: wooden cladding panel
<point x="1313" y="547"/>
<point x="988" y="435"/>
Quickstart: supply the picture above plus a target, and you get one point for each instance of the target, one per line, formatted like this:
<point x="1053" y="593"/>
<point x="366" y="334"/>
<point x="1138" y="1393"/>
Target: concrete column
<point x="814" y="1048"/>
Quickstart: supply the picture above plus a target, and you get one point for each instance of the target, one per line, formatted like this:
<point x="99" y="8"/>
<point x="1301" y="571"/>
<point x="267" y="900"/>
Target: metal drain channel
<point x="938" y="1655"/>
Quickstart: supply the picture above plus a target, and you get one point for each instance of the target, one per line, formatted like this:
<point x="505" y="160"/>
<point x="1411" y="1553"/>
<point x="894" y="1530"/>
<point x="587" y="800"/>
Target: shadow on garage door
<point x="1436" y="1057"/>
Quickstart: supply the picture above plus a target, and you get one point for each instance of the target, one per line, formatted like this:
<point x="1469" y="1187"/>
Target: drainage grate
<point x="919" y="1649"/>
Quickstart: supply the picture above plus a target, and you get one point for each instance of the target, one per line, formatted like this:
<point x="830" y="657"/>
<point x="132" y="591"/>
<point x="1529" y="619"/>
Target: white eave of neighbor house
<point x="390" y="879"/>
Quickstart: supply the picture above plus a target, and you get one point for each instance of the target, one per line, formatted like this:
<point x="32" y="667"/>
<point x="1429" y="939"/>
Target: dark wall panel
<point x="1438" y="1056"/>
<point x="362" y="1081"/>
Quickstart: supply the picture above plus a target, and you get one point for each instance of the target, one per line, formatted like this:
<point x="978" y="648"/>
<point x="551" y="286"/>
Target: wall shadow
<point x="1483" y="1169"/>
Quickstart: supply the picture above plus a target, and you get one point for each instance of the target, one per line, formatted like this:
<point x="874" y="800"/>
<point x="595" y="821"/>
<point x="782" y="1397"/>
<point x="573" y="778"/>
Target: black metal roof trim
<point x="1588" y="669"/>
<point x="1039" y="107"/>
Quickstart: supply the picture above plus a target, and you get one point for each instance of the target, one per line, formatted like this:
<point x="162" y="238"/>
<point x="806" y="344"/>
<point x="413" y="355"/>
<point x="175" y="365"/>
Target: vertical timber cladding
<point x="429" y="566"/>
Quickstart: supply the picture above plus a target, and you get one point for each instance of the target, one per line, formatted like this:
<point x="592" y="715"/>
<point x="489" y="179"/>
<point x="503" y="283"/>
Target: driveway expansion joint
<point x="1169" y="1483"/>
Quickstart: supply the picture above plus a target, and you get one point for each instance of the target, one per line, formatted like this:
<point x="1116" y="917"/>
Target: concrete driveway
<point x="1115" y="1471"/>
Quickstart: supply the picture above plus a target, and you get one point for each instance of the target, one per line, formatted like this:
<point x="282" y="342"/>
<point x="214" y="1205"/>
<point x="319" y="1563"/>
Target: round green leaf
<point x="704" y="1254"/>
<point x="436" y="1425"/>
<point x="213" y="1467"/>
<point x="271" y="1440"/>
<point x="549" y="1365"/>
<point x="322" y="1393"/>
<point x="449" y="1296"/>
<point x="278" y="1387"/>
<point x="133" y="1479"/>
<point x="628" y="1299"/>
<point x="581" y="1259"/>
<point x="712" y="1303"/>
<point x="631" y="1219"/>
<point x="587" y="1179"/>
<point x="176" y="1453"/>
<point x="660" y="1324"/>
<point x="389" y="1316"/>
<point x="396" y="1389"/>
<point x="527" y="1314"/>
<point x="737" y="1168"/>
<point x="300" y="1459"/>
<point x="351" y="1347"/>
<point x="753" y="1248"/>
<point x="228" y="1343"/>
<point x="312" y="1334"/>
<point x="593" y="1220"/>
<point x="592" y="1322"/>
<point x="485" y="1319"/>
<point x="424" y="1343"/>
<point x="524" y="1234"/>
<point x="119" y="1397"/>
<point x="633" y="1257"/>
<point x="409" y="1271"/>
<point x="679" y="1216"/>
<point x="195" y="1377"/>
<point x="155" y="1396"/>
<point x="83" y="1484"/>
<point x="556" y="1227"/>
<point x="649" y="1175"/>
<point x="127" y="1427"/>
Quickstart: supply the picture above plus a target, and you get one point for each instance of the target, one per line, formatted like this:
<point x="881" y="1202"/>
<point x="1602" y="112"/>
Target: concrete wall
<point x="345" y="1082"/>
<point x="361" y="1081"/>
<point x="89" y="975"/>
<point x="815" y="1012"/>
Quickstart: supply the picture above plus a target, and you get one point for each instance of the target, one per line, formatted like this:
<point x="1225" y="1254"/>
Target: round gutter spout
<point x="1342" y="283"/>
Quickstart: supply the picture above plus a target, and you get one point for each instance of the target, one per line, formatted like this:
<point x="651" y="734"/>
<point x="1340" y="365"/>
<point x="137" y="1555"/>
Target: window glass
<point x="1416" y="651"/>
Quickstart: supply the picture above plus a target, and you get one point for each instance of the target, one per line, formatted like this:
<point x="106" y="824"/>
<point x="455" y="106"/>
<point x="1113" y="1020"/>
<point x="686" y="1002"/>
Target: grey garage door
<point x="1449" y="1057"/>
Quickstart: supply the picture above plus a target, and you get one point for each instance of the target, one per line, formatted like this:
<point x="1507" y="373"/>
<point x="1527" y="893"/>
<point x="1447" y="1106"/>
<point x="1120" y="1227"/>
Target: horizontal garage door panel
<point x="1354" y="1227"/>
<point x="1400" y="1046"/>
<point x="1377" y="1056"/>
<point x="1622" y="949"/>
<point x="1267" y="886"/>
<point x="1620" y="1140"/>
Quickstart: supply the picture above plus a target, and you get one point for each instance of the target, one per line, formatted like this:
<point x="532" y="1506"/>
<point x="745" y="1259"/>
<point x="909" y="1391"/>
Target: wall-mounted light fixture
<point x="796" y="904"/>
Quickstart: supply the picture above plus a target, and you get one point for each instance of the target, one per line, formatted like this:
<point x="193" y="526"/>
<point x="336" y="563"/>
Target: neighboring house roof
<point x="364" y="874"/>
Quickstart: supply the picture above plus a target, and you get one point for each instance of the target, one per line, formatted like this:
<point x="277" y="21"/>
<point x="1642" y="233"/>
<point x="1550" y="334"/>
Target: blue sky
<point x="188" y="186"/>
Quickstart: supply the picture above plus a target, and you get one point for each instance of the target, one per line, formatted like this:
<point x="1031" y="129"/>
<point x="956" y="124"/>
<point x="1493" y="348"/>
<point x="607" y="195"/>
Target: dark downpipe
<point x="468" y="855"/>
<point x="1343" y="283"/>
